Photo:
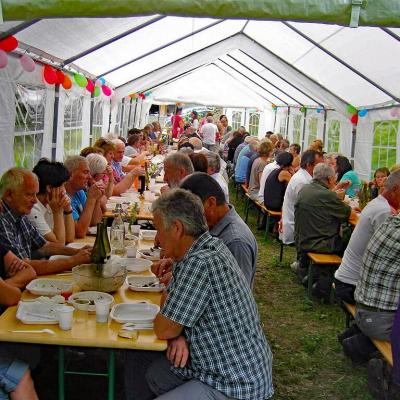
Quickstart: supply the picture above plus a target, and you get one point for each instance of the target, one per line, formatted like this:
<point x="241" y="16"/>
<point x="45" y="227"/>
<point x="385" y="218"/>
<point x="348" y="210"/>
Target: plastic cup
<point x="147" y="207"/>
<point x="102" y="309"/>
<point x="82" y="310"/>
<point x="135" y="229"/>
<point x="131" y="251"/>
<point x="65" y="314"/>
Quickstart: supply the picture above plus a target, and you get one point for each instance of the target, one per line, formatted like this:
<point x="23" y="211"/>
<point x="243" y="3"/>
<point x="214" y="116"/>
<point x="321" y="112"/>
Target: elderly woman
<point x="100" y="170"/>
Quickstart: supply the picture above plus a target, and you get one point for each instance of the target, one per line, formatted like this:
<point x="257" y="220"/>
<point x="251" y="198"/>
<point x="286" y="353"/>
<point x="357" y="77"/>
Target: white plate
<point x="136" y="264"/>
<point x="116" y="200"/>
<point x="92" y="230"/>
<point x="149" y="255"/>
<point x="49" y="287"/>
<point x="148" y="234"/>
<point x="134" y="312"/>
<point x="90" y="295"/>
<point x="37" y="312"/>
<point x="136" y="283"/>
<point x="77" y="245"/>
<point x="58" y="257"/>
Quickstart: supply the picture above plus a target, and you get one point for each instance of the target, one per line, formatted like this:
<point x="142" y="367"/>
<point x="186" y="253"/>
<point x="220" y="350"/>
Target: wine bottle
<point x="106" y="240"/>
<point x="146" y="176"/>
<point x="98" y="254"/>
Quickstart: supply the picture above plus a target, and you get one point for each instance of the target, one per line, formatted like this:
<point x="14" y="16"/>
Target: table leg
<point x="310" y="279"/>
<point x="111" y="374"/>
<point x="61" y="387"/>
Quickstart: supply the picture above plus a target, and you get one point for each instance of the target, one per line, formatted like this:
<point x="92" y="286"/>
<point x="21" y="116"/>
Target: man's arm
<point x="9" y="295"/>
<point x="127" y="181"/>
<point x="245" y="258"/>
<point x="165" y="328"/>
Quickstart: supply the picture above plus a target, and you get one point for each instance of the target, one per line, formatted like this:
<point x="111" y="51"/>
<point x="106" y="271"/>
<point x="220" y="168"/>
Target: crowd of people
<point x="216" y="345"/>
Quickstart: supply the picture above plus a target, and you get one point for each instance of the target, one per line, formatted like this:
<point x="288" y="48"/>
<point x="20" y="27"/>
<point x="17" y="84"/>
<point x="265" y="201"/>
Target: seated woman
<point x="132" y="149"/>
<point x="52" y="214"/>
<point x="101" y="171"/>
<point x="347" y="176"/>
<point x="15" y="377"/>
<point x="277" y="181"/>
<point x="377" y="185"/>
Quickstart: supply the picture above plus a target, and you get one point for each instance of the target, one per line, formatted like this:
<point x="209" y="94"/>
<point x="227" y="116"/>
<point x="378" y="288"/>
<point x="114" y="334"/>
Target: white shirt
<point x="209" y="132"/>
<point x="222" y="182"/>
<point x="41" y="218"/>
<point x="265" y="174"/>
<point x="131" y="151"/>
<point x="195" y="124"/>
<point x="373" y="215"/>
<point x="298" y="180"/>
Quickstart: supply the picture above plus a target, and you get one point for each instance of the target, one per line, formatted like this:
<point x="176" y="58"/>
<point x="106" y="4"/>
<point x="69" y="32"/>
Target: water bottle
<point x="117" y="235"/>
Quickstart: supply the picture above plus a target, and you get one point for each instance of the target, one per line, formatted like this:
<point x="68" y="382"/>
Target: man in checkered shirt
<point x="217" y="349"/>
<point x="377" y="293"/>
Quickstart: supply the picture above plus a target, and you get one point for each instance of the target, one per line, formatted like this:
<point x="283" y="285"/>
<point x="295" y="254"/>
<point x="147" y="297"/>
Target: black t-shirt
<point x="3" y="252"/>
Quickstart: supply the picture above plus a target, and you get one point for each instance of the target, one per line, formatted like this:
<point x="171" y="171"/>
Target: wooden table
<point x="86" y="333"/>
<point x="143" y="214"/>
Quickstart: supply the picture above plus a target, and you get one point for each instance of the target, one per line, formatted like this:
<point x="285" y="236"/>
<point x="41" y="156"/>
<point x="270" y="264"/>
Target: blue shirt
<point x="78" y="202"/>
<point x="241" y="168"/>
<point x="210" y="297"/>
<point x="353" y="189"/>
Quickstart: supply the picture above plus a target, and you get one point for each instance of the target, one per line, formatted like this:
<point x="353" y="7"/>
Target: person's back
<point x="274" y="191"/>
<point x="241" y="168"/>
<point x="255" y="175"/>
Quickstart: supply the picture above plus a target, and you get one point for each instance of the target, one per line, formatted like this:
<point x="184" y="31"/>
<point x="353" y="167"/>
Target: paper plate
<point x="134" y="312"/>
<point x="49" y="287"/>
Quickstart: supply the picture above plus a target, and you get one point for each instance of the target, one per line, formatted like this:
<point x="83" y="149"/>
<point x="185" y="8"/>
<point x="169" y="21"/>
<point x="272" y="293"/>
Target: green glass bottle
<point x="98" y="254"/>
<point x="106" y="240"/>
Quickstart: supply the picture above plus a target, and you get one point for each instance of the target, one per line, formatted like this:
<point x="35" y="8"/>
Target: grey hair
<point x="97" y="163"/>
<point x="180" y="160"/>
<point x="322" y="172"/>
<point x="328" y="156"/>
<point x="186" y="150"/>
<point x="196" y="143"/>
<point x="72" y="163"/>
<point x="214" y="161"/>
<point x="393" y="180"/>
<point x="116" y="142"/>
<point x="182" y="205"/>
<point x="14" y="179"/>
<point x="111" y="136"/>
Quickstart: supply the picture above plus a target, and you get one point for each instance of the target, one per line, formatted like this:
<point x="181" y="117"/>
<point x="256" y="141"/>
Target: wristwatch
<point x="68" y="212"/>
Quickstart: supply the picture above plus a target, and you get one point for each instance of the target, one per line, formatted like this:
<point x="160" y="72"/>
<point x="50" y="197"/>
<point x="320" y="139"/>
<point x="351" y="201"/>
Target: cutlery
<point x="37" y="331"/>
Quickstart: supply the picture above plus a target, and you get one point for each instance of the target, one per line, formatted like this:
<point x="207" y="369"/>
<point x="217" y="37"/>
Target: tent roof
<point x="280" y="62"/>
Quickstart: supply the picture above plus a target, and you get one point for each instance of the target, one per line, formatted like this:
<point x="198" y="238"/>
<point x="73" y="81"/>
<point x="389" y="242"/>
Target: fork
<point x="49" y="331"/>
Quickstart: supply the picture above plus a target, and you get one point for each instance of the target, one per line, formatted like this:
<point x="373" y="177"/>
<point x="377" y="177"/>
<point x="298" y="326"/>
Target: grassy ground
<point x="308" y="361"/>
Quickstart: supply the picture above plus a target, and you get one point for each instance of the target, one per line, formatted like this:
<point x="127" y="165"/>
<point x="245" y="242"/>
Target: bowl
<point x="137" y="264"/>
<point x="148" y="234"/>
<point x="148" y="254"/>
<point x="77" y="298"/>
<point x="108" y="278"/>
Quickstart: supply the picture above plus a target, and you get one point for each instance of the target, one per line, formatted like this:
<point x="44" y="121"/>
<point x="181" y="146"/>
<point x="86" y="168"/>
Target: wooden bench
<point x="320" y="259"/>
<point x="383" y="346"/>
<point x="276" y="215"/>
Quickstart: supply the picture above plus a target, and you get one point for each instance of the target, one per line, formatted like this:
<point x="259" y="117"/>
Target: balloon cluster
<point x="302" y="109"/>
<point x="274" y="107"/>
<point x="6" y="45"/>
<point x="356" y="113"/>
<point x="141" y="95"/>
<point x="320" y="110"/>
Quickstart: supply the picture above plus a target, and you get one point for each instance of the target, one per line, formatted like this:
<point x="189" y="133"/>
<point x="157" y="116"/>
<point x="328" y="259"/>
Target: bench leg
<point x="281" y="253"/>
<point x="266" y="229"/>
<point x="310" y="280"/>
<point x="247" y="208"/>
<point x="111" y="374"/>
<point x="61" y="376"/>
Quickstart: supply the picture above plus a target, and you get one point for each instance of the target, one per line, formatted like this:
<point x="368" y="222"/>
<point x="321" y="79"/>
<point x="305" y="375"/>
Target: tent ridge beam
<point x="252" y="81"/>
<point x="175" y="61"/>
<point x="162" y="47"/>
<point x="281" y="77"/>
<point x="264" y="79"/>
<point x="18" y="28"/>
<point x="226" y="72"/>
<point x="112" y="40"/>
<point x="297" y="70"/>
<point x="340" y="61"/>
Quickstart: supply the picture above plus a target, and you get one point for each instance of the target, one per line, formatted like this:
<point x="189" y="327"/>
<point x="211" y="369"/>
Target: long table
<point x="88" y="333"/>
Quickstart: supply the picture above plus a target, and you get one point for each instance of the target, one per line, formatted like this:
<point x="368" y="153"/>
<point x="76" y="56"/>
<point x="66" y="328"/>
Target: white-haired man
<point x="209" y="134"/>
<point x="176" y="167"/>
<point x="18" y="189"/>
<point x="208" y="314"/>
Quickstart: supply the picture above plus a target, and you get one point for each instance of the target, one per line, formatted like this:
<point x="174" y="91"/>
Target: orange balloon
<point x="67" y="84"/>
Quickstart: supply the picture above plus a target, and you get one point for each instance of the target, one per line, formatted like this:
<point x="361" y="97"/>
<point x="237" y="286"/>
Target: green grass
<point x="308" y="361"/>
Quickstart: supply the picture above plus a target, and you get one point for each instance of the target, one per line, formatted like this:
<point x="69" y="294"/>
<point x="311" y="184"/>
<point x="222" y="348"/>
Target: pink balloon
<point x="27" y="63"/>
<point x="3" y="59"/>
<point x="395" y="112"/>
<point x="99" y="83"/>
<point x="106" y="90"/>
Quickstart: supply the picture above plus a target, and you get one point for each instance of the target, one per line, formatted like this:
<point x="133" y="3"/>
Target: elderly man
<point x="122" y="181"/>
<point x="214" y="167"/>
<point x="18" y="189"/>
<point x="86" y="206"/>
<point x="372" y="216"/>
<point x="209" y="134"/>
<point x="217" y="349"/>
<point x="318" y="215"/>
<point x="176" y="167"/>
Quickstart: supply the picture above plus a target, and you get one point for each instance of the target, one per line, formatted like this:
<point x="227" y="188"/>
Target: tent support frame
<point x="55" y="121"/>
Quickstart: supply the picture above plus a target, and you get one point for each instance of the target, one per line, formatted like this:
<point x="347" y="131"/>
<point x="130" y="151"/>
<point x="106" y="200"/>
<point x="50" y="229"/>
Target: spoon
<point x="37" y="331"/>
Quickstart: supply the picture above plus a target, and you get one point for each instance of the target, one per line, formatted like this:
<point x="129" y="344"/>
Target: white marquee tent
<point x="311" y="72"/>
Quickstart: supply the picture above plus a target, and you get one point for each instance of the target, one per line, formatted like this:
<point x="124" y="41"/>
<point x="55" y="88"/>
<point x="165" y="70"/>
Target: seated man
<point x="217" y="348"/>
<point x="18" y="188"/>
<point x="176" y="167"/>
<point x="372" y="216"/>
<point x="377" y="293"/>
<point x="52" y="214"/>
<point x="214" y="167"/>
<point x="86" y="206"/>
<point x="122" y="181"/>
<point x="318" y="215"/>
<point x="15" y="377"/>
<point x="225" y="223"/>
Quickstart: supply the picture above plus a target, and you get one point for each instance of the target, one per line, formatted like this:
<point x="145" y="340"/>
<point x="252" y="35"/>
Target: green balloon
<point x="351" y="109"/>
<point x="80" y="80"/>
<point x="96" y="91"/>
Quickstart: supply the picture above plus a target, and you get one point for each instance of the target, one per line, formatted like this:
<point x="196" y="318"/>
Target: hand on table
<point x="83" y="257"/>
<point x="178" y="351"/>
<point x="160" y="268"/>
<point x="15" y="266"/>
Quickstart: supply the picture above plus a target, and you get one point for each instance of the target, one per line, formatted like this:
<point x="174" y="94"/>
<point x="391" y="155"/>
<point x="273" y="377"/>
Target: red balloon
<point x="9" y="43"/>
<point x="354" y="119"/>
<point x="50" y="76"/>
<point x="90" y="86"/>
<point x="67" y="84"/>
<point x="60" y="77"/>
